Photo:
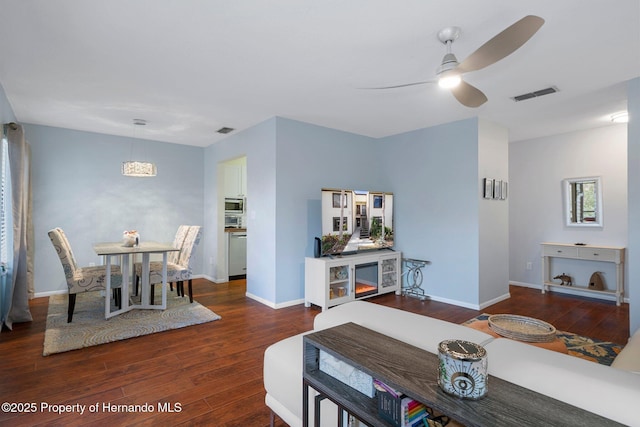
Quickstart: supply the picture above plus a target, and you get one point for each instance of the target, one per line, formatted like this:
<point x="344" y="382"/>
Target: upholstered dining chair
<point x="172" y="257"/>
<point x="83" y="279"/>
<point x="180" y="269"/>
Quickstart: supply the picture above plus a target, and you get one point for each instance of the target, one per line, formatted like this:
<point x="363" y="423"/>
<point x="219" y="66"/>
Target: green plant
<point x="331" y="243"/>
<point x="388" y="233"/>
<point x="376" y="228"/>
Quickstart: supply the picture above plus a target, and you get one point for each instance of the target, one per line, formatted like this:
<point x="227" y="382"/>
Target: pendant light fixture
<point x="136" y="168"/>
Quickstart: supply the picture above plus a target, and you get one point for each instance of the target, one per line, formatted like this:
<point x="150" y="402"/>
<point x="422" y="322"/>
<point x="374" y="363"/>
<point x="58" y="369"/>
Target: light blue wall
<point x="78" y="186"/>
<point x="633" y="257"/>
<point x="288" y="163"/>
<point x="258" y="144"/>
<point x="434" y="174"/>
<point x="310" y="158"/>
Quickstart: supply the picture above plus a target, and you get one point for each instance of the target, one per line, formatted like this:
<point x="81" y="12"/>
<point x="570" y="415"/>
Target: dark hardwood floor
<point x="211" y="374"/>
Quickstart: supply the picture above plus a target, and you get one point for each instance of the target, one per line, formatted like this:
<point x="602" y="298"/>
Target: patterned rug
<point x="592" y="349"/>
<point x="90" y="328"/>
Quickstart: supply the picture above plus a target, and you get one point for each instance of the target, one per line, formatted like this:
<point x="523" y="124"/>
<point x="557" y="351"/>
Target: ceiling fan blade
<point x="397" y="86"/>
<point x="503" y="44"/>
<point x="469" y="95"/>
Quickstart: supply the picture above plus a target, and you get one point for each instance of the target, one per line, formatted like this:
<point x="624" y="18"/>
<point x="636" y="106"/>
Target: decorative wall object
<point x="488" y="188"/>
<point x="495" y="189"/>
<point x="583" y="201"/>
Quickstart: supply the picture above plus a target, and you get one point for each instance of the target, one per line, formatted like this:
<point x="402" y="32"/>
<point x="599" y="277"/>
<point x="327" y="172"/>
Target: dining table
<point x="127" y="256"/>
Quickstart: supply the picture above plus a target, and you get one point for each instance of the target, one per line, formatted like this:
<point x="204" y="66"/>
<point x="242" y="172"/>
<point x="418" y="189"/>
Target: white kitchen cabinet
<point x="235" y="180"/>
<point x="587" y="253"/>
<point x="330" y="281"/>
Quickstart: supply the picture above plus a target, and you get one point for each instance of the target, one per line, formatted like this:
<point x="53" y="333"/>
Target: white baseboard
<point x="469" y="305"/>
<point x="49" y="293"/>
<point x="525" y="285"/>
<point x="454" y="302"/>
<point x="495" y="300"/>
<point x="209" y="278"/>
<point x="272" y="304"/>
<point x="570" y="291"/>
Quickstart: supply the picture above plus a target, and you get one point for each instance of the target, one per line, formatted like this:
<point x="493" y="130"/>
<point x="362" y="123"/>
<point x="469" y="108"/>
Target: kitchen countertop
<point x="234" y="230"/>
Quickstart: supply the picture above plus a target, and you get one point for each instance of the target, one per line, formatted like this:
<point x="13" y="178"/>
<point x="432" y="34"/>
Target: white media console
<point x="330" y="281"/>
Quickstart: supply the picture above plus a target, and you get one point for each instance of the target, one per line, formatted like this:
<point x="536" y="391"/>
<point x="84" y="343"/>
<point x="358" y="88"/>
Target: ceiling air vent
<point x="535" y="94"/>
<point x="225" y="130"/>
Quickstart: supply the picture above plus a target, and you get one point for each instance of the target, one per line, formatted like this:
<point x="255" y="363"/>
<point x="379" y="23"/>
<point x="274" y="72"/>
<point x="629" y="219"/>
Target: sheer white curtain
<point x="18" y="285"/>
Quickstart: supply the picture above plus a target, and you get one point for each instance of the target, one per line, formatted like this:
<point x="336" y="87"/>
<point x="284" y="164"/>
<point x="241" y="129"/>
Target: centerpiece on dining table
<point x="130" y="238"/>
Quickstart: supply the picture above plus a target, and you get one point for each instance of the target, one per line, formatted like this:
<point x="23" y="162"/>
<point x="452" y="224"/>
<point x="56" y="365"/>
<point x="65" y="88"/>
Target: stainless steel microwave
<point x="233" y="206"/>
<point x="233" y="221"/>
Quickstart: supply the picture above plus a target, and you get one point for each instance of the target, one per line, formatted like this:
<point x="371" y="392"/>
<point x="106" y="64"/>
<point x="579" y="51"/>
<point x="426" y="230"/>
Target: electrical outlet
<point x="529" y="265"/>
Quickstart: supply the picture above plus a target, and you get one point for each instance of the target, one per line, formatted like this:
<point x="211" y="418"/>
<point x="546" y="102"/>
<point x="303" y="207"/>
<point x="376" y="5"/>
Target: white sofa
<point x="612" y="392"/>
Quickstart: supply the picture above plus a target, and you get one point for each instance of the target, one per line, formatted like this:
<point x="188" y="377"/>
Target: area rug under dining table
<point x="90" y="328"/>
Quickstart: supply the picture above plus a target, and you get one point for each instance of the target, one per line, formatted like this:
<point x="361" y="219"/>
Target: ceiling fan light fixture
<point x="449" y="79"/>
<point x="448" y="76"/>
<point x="621" y="117"/>
<point x="449" y="73"/>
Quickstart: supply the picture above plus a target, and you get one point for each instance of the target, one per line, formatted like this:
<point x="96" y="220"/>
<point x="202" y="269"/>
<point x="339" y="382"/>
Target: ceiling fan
<point x="450" y="71"/>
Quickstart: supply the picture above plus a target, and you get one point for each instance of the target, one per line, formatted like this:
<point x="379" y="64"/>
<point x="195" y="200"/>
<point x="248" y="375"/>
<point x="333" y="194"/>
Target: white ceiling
<point x="190" y="67"/>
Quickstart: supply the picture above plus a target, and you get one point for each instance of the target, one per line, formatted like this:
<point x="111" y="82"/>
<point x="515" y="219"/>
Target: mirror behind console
<point x="583" y="202"/>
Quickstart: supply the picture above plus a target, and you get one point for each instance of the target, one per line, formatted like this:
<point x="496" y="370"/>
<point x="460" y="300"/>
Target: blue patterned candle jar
<point x="462" y="369"/>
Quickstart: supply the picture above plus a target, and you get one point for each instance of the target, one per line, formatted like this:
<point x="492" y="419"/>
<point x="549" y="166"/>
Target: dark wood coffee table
<point x="414" y="372"/>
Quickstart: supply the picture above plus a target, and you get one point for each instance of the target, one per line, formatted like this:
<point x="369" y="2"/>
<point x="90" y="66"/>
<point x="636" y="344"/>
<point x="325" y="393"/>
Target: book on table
<point x="398" y="409"/>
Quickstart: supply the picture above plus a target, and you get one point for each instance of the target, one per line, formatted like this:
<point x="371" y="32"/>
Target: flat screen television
<point x="356" y="220"/>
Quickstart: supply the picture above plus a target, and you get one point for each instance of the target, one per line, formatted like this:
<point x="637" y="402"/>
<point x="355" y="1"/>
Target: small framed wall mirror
<point x="583" y="202"/>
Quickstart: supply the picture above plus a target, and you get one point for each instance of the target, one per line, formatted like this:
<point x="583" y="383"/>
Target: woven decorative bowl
<point x="522" y="328"/>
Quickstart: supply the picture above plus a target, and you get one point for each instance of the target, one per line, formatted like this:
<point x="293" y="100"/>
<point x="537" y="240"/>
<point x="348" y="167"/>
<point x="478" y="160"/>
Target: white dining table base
<point x="109" y="250"/>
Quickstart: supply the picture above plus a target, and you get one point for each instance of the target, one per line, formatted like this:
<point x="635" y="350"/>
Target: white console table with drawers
<point x="586" y="253"/>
